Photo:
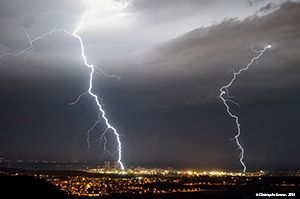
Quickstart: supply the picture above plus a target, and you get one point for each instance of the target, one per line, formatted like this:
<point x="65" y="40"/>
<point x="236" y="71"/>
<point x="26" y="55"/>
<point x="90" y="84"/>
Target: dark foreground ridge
<point x="16" y="183"/>
<point x="28" y="187"/>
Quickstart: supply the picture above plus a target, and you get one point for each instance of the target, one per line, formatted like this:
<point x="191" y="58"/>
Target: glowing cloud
<point x="108" y="9"/>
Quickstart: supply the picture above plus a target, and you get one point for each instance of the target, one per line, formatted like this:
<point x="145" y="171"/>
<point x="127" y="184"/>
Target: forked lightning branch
<point x="224" y="95"/>
<point x="101" y="115"/>
<point x="119" y="6"/>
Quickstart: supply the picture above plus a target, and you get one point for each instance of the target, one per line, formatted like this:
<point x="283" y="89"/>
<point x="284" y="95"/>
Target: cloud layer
<point x="172" y="58"/>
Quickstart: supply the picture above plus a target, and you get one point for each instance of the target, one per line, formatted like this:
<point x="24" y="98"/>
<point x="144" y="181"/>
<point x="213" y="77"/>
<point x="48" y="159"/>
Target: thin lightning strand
<point x="225" y="92"/>
<point x="89" y="91"/>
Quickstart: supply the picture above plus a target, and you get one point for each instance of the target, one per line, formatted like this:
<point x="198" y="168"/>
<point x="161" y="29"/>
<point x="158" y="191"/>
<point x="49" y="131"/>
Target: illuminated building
<point x="107" y="165"/>
<point x="116" y="165"/>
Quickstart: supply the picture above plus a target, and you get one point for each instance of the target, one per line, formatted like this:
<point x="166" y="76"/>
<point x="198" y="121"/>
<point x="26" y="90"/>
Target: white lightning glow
<point x="105" y="5"/>
<point x="224" y="95"/>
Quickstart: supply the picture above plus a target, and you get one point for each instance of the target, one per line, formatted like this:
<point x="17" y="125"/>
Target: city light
<point x="139" y="180"/>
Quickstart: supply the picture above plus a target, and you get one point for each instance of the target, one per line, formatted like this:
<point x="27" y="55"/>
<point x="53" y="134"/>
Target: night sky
<point x="173" y="57"/>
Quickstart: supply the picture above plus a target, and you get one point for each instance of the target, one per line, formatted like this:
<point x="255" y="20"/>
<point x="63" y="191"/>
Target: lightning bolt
<point x="101" y="115"/>
<point x="224" y="95"/>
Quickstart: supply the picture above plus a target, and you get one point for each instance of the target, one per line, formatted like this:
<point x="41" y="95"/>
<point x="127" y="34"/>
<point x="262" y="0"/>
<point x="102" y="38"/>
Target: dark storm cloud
<point x="166" y="102"/>
<point x="167" y="11"/>
<point x="176" y="82"/>
<point x="4" y="14"/>
<point x="152" y="22"/>
<point x="268" y="8"/>
<point x="253" y="2"/>
<point x="191" y="69"/>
